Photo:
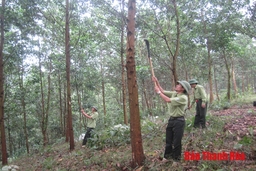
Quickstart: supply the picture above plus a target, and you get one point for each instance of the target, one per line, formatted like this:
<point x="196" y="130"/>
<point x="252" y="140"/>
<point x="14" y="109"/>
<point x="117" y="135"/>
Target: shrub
<point x="114" y="136"/>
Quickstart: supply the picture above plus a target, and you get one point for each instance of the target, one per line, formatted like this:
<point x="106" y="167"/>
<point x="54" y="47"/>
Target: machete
<point x="149" y="58"/>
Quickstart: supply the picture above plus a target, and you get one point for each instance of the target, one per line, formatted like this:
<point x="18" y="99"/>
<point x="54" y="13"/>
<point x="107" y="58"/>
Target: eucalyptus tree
<point x="165" y="23"/>
<point x="22" y="67"/>
<point x="244" y="53"/>
<point x="225" y="15"/>
<point x="135" y="129"/>
<point x="203" y="30"/>
<point x="67" y="53"/>
<point x="2" y="124"/>
<point x="52" y="37"/>
<point x="17" y="25"/>
<point x="110" y="15"/>
<point x="248" y="24"/>
<point x="122" y="62"/>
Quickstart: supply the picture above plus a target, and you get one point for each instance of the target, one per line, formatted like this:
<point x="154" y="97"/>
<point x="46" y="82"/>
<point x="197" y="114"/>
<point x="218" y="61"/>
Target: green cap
<point x="193" y="81"/>
<point x="185" y="85"/>
<point x="95" y="108"/>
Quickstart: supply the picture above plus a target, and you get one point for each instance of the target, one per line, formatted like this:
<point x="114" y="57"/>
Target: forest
<point x="58" y="57"/>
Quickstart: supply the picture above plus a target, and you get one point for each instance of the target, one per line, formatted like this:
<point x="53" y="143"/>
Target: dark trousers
<point x="87" y="135"/>
<point x="200" y="115"/>
<point x="174" y="133"/>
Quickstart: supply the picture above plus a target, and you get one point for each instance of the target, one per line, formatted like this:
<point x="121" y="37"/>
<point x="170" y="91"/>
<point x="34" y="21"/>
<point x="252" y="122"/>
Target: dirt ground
<point x="242" y="123"/>
<point x="242" y="120"/>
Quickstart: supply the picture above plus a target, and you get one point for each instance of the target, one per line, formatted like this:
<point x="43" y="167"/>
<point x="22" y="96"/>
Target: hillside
<point x="230" y="130"/>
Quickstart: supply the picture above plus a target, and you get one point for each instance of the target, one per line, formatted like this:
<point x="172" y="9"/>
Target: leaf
<point x="238" y="146"/>
<point x="251" y="131"/>
<point x="139" y="169"/>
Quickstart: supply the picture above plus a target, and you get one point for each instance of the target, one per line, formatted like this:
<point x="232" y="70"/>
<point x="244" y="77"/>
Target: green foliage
<point x="49" y="163"/>
<point x="150" y="129"/>
<point x="246" y="140"/>
<point x="238" y="99"/>
<point x="245" y="98"/>
<point x="110" y="137"/>
<point x="221" y="104"/>
<point x="119" y="135"/>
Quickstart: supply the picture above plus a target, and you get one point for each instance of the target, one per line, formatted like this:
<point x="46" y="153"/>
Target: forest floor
<point x="231" y="131"/>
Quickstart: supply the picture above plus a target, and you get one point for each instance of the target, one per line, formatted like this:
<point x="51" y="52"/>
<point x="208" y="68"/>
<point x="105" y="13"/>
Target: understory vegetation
<point x="228" y="130"/>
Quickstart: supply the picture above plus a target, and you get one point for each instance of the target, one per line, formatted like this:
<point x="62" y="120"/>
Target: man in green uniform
<point x="91" y="123"/>
<point x="177" y="103"/>
<point x="200" y="98"/>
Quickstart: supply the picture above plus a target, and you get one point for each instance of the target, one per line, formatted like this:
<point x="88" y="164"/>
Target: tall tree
<point x="43" y="113"/>
<point x="209" y="59"/>
<point x="135" y="128"/>
<point x="122" y="63"/>
<point x="67" y="52"/>
<point x="103" y="84"/>
<point x="2" y="126"/>
<point x="23" y="103"/>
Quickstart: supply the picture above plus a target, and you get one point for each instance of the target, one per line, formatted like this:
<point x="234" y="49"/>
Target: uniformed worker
<point x="177" y="103"/>
<point x="200" y="98"/>
<point x="91" y="123"/>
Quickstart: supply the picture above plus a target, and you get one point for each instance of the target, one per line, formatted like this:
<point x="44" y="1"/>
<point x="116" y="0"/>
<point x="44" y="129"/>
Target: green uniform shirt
<point x="178" y="104"/>
<point x="199" y="93"/>
<point x="91" y="122"/>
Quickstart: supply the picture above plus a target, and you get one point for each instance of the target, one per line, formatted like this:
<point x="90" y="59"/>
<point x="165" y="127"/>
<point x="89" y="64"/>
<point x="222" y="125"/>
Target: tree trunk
<point x="79" y="104"/>
<point x="42" y="113"/>
<point x="23" y="104"/>
<point x="254" y="80"/>
<point x="229" y="76"/>
<point x="234" y="78"/>
<point x="210" y="72"/>
<point x="103" y="85"/>
<point x="146" y="99"/>
<point x="208" y="45"/>
<point x="60" y="104"/>
<point x="65" y="114"/>
<point x="2" y="127"/>
<point x="48" y="100"/>
<point x="135" y="128"/>
<point x="173" y="56"/>
<point x="174" y="64"/>
<point x="243" y="73"/>
<point x="247" y="82"/>
<point x="123" y="67"/>
<point x="67" y="51"/>
<point x="243" y="86"/>
<point x="215" y="81"/>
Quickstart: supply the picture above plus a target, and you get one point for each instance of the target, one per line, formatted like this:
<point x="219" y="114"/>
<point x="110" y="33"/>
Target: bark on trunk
<point x="23" y="104"/>
<point x="229" y="76"/>
<point x="2" y="126"/>
<point x="123" y="66"/>
<point x="103" y="85"/>
<point x="67" y="51"/>
<point x="60" y="104"/>
<point x="135" y="128"/>
<point x="208" y="44"/>
<point x="234" y="79"/>
<point x="174" y="64"/>
<point x="216" y="86"/>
